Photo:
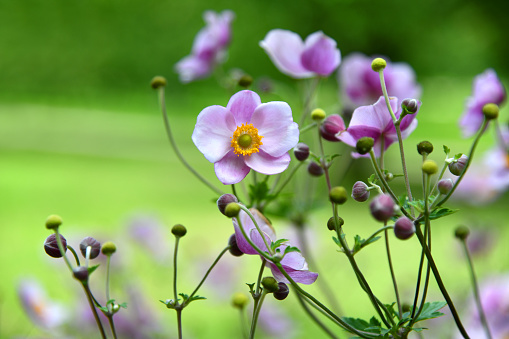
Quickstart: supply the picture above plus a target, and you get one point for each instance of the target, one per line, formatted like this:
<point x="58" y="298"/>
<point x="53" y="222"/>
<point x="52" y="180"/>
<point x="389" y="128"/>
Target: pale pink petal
<point x="193" y="68"/>
<point x="242" y="243"/>
<point x="258" y="240"/>
<point x="274" y="122"/>
<point x="231" y="169"/>
<point x="320" y="54"/>
<point x="304" y="277"/>
<point x="266" y="164"/>
<point x="284" y="49"/>
<point x="213" y="131"/>
<point x="242" y="105"/>
<point x="249" y="227"/>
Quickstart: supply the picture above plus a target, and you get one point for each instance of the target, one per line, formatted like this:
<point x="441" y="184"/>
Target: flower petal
<point x="304" y="277"/>
<point x="193" y="68"/>
<point x="274" y="122"/>
<point x="320" y="54"/>
<point x="231" y="169"/>
<point x="266" y="164"/>
<point x="249" y="227"/>
<point x="213" y="131"/>
<point x="284" y="49"/>
<point x="242" y="105"/>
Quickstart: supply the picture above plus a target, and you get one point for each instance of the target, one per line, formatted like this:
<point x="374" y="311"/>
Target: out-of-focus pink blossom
<point x="360" y="85"/>
<point x="317" y="56"/>
<point x="209" y="47"/>
<point x="487" y="88"/>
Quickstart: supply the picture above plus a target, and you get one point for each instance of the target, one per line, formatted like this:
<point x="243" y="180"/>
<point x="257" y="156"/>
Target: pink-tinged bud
<point x="95" y="247"/>
<point x="282" y="291"/>
<point x="331" y="126"/>
<point x="314" y="169"/>
<point x="81" y="273"/>
<point x="404" y="228"/>
<point x="224" y="200"/>
<point x="410" y="105"/>
<point x="382" y="207"/>
<point x="51" y="246"/>
<point x="234" y="248"/>
<point x="301" y="151"/>
<point x="360" y="191"/>
<point x="457" y="167"/>
<point x="445" y="186"/>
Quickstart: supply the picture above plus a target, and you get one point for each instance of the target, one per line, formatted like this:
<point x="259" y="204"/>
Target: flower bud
<point x="53" y="221"/>
<point x="239" y="300"/>
<point x="158" y="81"/>
<point x="282" y="291"/>
<point x="80" y="273"/>
<point x="424" y="147"/>
<point x="108" y="248"/>
<point x="378" y="64"/>
<point x="364" y="145"/>
<point x="270" y="284"/>
<point x="490" y="111"/>
<point x="461" y="232"/>
<point x="318" y="114"/>
<point x="331" y="126"/>
<point x="331" y="224"/>
<point x="445" y="186"/>
<point x="234" y="248"/>
<point x="301" y="151"/>
<point x="389" y="176"/>
<point x="232" y="210"/>
<point x="404" y="228"/>
<point x="245" y="80"/>
<point x="360" y="191"/>
<point x="459" y="165"/>
<point x="410" y="106"/>
<point x="338" y="195"/>
<point x="429" y="167"/>
<point x="382" y="207"/>
<point x="224" y="200"/>
<point x="314" y="169"/>
<point x="95" y="247"/>
<point x="178" y="230"/>
<point x="51" y="246"/>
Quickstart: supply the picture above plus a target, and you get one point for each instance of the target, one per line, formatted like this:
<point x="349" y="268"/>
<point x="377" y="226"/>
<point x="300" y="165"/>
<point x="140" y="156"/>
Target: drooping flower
<point x="360" y="85"/>
<point x="375" y="121"/>
<point x="245" y="135"/>
<point x="209" y="47"/>
<point x="317" y="56"/>
<point x="293" y="263"/>
<point x="486" y="89"/>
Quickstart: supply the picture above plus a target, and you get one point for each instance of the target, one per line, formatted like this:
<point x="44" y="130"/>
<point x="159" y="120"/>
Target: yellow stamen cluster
<point x="245" y="140"/>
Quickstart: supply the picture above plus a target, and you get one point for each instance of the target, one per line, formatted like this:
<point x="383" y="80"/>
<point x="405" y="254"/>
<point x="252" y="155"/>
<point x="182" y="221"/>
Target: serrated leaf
<point x="447" y="150"/>
<point x="441" y="212"/>
<point x="430" y="310"/>
<point x="363" y="325"/>
<point x="123" y="305"/>
<point x="417" y="204"/>
<point x="259" y="192"/>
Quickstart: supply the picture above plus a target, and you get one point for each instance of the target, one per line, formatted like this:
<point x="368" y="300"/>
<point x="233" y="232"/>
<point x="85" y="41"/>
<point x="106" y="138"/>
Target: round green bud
<point x="270" y="284"/>
<point x="424" y="147"/>
<point x="158" y="81"/>
<point x="364" y="145"/>
<point x="429" y="167"/>
<point x="53" y="221"/>
<point x="378" y="64"/>
<point x="461" y="232"/>
<point x="490" y="111"/>
<point x="331" y="224"/>
<point x="179" y="230"/>
<point x="108" y="248"/>
<point x="232" y="210"/>
<point x="338" y="195"/>
<point x="245" y="81"/>
<point x="318" y="114"/>
<point x="239" y="300"/>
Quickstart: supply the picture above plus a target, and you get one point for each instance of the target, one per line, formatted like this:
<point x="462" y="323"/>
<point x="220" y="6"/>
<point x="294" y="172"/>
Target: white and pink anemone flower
<point x="245" y="135"/>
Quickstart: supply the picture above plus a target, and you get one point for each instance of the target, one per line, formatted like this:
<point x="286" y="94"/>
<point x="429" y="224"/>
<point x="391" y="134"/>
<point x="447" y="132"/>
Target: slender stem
<point x="403" y="165"/>
<point x="393" y="276"/>
<point x="245" y="209"/>
<point x="306" y="128"/>
<point x="439" y="282"/>
<point x="62" y="250"/>
<point x="475" y="288"/>
<point x="260" y="275"/>
<point x="176" y="149"/>
<point x="108" y="281"/>
<point x="256" y="313"/>
<point x="179" y="322"/>
<point x="74" y="254"/>
<point x="243" y="324"/>
<point x="112" y="325"/>
<point x="175" y="270"/>
<point x="314" y="317"/>
<point x="287" y="180"/>
<point x="94" y="311"/>
<point x="308" y="99"/>
<point x="386" y="96"/>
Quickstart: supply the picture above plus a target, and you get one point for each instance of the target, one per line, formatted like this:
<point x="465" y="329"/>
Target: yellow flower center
<point x="245" y="140"/>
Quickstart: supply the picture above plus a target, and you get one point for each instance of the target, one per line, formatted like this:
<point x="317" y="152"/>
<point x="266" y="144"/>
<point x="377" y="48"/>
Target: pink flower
<point x="317" y="56"/>
<point x="487" y="88"/>
<point x="360" y="85"/>
<point x="293" y="263"/>
<point x="375" y="121"/>
<point x="209" y="47"/>
<point x="245" y="135"/>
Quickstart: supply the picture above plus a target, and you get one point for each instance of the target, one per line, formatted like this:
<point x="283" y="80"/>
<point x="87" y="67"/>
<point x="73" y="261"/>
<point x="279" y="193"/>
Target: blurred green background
<point x="81" y="134"/>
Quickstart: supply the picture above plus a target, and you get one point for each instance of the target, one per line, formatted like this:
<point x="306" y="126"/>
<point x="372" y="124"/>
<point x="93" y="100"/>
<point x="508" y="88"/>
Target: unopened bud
<point x="410" y="106"/>
<point x="53" y="221"/>
<point x="404" y="228"/>
<point x="224" y="200"/>
<point x="424" y="147"/>
<point x="245" y="80"/>
<point x="338" y="195"/>
<point x="445" y="186"/>
<point x="108" y="248"/>
<point x="429" y="167"/>
<point x="378" y="64"/>
<point x="314" y="169"/>
<point x="240" y="300"/>
<point x="382" y="207"/>
<point x="51" y="246"/>
<point x="80" y="273"/>
<point x="360" y="191"/>
<point x="158" y="81"/>
<point x="232" y="210"/>
<point x="364" y="145"/>
<point x="490" y="111"/>
<point x="301" y="151"/>
<point x="178" y="230"/>
<point x="331" y="126"/>
<point x="270" y="284"/>
<point x="461" y="232"/>
<point x="282" y="291"/>
<point x="459" y="165"/>
<point x="318" y="114"/>
<point x="331" y="223"/>
<point x="95" y="247"/>
<point x="234" y="248"/>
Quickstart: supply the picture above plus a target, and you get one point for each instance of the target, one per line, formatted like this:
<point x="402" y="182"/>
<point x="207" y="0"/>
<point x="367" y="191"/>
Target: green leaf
<point x="372" y="179"/>
<point x="290" y="249"/>
<point x="277" y="243"/>
<point x="430" y="310"/>
<point x="417" y="204"/>
<point x="92" y="269"/>
<point x="447" y="150"/>
<point x="123" y="305"/>
<point x="260" y="192"/>
<point x="103" y="308"/>
<point x="440" y="212"/>
<point x="373" y="326"/>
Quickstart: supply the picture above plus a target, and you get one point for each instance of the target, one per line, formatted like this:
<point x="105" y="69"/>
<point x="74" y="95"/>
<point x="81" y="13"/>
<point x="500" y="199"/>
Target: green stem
<point x="176" y="149"/>
<point x="62" y="250"/>
<point x="314" y="317"/>
<point x="393" y="276"/>
<point x="243" y="325"/>
<point x="308" y="99"/>
<point x="245" y="209"/>
<point x="74" y="254"/>
<point x="112" y="325"/>
<point x="108" y="281"/>
<point x="256" y="313"/>
<point x="94" y="311"/>
<point x="175" y="270"/>
<point x="179" y="322"/>
<point x="386" y="96"/>
<point x="287" y="180"/>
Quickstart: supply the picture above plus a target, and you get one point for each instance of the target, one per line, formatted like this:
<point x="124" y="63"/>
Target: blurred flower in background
<point x="209" y="47"/>
<point x="360" y="85"/>
<point x="149" y="232"/>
